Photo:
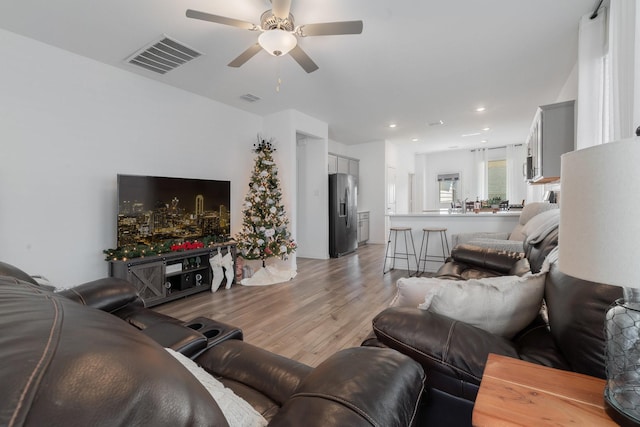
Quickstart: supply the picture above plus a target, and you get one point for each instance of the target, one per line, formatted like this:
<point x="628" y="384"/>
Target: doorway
<point x="312" y="223"/>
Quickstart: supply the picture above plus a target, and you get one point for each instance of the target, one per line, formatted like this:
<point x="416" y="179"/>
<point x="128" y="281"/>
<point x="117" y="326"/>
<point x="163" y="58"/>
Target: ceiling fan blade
<point x="303" y="59"/>
<point x="331" y="28"/>
<point x="281" y="8"/>
<point x="220" y="19"/>
<point x="245" y="56"/>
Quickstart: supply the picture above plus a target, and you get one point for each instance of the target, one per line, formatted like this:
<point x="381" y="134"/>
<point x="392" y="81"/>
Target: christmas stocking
<point x="227" y="263"/>
<point x="216" y="267"/>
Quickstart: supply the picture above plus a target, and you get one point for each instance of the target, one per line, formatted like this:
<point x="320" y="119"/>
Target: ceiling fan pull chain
<point x="278" y="74"/>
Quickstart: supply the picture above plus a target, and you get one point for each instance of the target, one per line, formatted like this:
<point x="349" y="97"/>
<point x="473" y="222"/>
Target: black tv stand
<point x="165" y="277"/>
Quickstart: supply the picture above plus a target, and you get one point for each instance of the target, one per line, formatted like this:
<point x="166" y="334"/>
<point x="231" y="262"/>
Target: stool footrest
<point x="406" y="255"/>
<point x="427" y="257"/>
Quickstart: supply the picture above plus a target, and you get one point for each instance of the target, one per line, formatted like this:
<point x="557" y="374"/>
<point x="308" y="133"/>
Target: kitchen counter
<point x="445" y="213"/>
<point x="455" y="223"/>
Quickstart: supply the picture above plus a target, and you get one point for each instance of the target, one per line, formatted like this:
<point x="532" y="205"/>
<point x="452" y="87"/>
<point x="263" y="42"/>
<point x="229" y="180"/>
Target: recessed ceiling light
<point x="484" y="141"/>
<point x="464" y="135"/>
<point x="415" y="140"/>
<point x="392" y="125"/>
<point x="480" y="109"/>
<point x="486" y="129"/>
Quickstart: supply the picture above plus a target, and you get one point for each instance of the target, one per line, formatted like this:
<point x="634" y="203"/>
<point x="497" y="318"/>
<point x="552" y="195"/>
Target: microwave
<point x="529" y="172"/>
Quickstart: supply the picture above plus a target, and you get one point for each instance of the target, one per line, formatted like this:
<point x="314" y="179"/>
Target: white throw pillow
<point x="540" y="226"/>
<point x="501" y="305"/>
<point x="235" y="409"/>
<point x="410" y="292"/>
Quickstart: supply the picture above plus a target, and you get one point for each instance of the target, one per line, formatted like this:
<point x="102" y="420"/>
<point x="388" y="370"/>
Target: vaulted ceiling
<point x="416" y="62"/>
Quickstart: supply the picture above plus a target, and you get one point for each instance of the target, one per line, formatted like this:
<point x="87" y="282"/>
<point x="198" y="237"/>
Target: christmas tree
<point x="264" y="226"/>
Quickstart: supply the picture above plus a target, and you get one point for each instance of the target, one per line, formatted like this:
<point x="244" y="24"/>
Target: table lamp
<point x="600" y="241"/>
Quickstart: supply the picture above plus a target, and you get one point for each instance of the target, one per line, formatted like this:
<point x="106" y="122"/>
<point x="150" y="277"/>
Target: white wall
<point x="315" y="197"/>
<point x="284" y="127"/>
<point x="69" y="125"/>
<point x="569" y="90"/>
<point x="336" y="147"/>
<point x="371" y="185"/>
<point x="402" y="158"/>
<point x="430" y="165"/>
<point x="455" y="161"/>
<point x="312" y="180"/>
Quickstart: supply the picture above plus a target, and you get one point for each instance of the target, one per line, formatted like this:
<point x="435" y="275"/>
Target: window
<point x="448" y="188"/>
<point x="447" y="191"/>
<point x="497" y="180"/>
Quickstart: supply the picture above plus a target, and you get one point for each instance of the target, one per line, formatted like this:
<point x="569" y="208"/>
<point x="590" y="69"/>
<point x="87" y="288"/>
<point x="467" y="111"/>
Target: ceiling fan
<point x="279" y="33"/>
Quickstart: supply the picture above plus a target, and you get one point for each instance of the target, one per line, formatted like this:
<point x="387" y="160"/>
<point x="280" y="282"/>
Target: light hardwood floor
<point x="328" y="306"/>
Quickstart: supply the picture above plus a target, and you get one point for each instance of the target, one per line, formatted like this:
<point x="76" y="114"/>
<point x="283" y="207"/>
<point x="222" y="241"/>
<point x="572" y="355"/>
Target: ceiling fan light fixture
<point x="277" y="42"/>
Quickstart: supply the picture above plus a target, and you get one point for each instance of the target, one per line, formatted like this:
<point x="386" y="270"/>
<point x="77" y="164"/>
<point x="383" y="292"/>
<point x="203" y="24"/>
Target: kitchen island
<point x="455" y="223"/>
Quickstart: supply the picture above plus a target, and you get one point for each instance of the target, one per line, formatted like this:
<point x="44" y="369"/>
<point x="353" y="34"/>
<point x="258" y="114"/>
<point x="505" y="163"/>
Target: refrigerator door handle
<point x="346" y="196"/>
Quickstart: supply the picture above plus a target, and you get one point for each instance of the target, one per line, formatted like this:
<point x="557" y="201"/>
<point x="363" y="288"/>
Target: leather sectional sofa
<point x="93" y="356"/>
<point x="568" y="334"/>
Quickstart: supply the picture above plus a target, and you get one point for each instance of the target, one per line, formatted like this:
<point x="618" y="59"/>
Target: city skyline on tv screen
<point x="152" y="209"/>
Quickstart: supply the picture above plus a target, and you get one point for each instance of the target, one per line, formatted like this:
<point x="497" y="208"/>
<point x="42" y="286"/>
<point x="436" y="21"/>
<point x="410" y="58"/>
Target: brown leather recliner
<point x="569" y="336"/>
<point x="68" y="364"/>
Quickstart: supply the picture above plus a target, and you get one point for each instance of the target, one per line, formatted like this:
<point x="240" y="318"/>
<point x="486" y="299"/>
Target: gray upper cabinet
<point x="342" y="164"/>
<point x="333" y="164"/>
<point x="552" y="134"/>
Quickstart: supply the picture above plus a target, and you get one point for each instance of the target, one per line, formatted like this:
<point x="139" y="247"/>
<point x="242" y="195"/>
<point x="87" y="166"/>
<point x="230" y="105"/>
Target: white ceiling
<point x="416" y="62"/>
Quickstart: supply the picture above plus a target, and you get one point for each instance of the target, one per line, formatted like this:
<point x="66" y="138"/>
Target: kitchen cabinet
<point x="363" y="227"/>
<point x="552" y="134"/>
<point x="332" y="166"/>
<point x="343" y="164"/>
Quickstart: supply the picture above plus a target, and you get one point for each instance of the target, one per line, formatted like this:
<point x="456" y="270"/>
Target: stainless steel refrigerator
<point x="343" y="214"/>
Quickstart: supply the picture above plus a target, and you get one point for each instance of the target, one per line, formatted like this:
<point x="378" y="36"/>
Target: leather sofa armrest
<point x="486" y="258"/>
<point x="177" y="337"/>
<point x="462" y="238"/>
<point x="499" y="244"/>
<point x="109" y="294"/>
<point x="452" y="353"/>
<point x="273" y="375"/>
<point x="360" y="386"/>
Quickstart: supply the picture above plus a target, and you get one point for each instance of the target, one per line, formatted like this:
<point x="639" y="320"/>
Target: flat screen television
<point x="154" y="210"/>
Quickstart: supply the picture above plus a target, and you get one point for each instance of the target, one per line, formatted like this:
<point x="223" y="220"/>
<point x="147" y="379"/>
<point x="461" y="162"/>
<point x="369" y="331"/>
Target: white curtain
<point x="623" y="82"/>
<point x="516" y="156"/>
<point x="636" y="88"/>
<point x="481" y="172"/>
<point x="609" y="74"/>
<point x="592" y="51"/>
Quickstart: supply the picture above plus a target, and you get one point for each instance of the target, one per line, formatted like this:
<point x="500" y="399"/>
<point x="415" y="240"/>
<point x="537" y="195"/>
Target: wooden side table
<point x="518" y="393"/>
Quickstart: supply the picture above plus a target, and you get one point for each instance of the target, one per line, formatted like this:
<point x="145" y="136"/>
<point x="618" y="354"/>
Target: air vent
<point x="250" y="98"/>
<point x="163" y="55"/>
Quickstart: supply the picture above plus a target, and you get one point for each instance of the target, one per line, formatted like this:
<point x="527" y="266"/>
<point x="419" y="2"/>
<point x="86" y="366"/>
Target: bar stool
<point x="426" y="232"/>
<point x="406" y="231"/>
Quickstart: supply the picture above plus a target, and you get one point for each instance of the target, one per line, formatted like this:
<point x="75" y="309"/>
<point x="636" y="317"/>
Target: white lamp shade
<point x="277" y="42"/>
<point x="600" y="213"/>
